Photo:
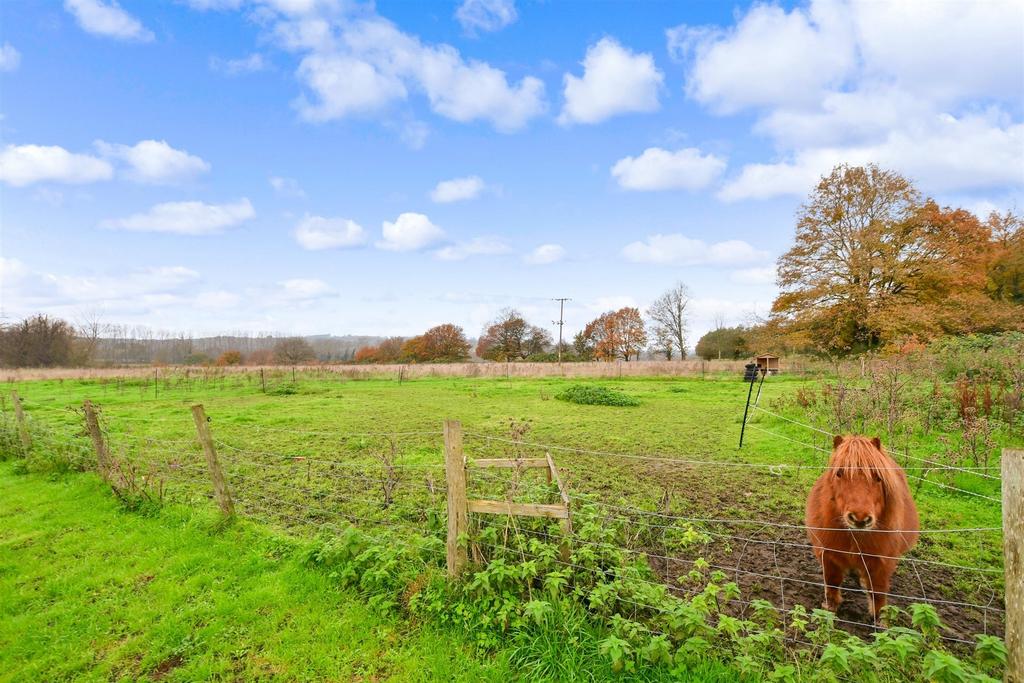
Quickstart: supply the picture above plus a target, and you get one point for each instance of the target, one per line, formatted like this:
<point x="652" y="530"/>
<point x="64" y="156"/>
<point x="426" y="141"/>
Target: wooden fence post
<point x="220" y="487"/>
<point x="1013" y="561"/>
<point x="92" y="424"/>
<point x="19" y="414"/>
<point x="458" y="515"/>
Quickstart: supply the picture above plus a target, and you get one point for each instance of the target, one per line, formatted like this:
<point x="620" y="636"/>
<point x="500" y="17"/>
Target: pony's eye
<point x="839" y="473"/>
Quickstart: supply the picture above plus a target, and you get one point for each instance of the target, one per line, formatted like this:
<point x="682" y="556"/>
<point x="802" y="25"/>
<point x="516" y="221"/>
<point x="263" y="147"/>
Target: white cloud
<point x="155" y="162"/>
<point x="286" y="187"/>
<point x="770" y="57"/>
<point x="185" y="218"/>
<point x="458" y="189"/>
<point x="615" y="81"/>
<point x="30" y="290"/>
<point x="304" y="289"/>
<point x="678" y="250"/>
<point x="761" y="275"/>
<point x="107" y="19"/>
<point x="944" y="50"/>
<point x="943" y="153"/>
<point x="921" y="88"/>
<point x="360" y="66"/>
<point x="22" y="165"/>
<point x="660" y="169"/>
<point x="345" y="85"/>
<point x="236" y="67"/>
<point x="546" y="253"/>
<point x="486" y="15"/>
<point x="10" y="58"/>
<point x="409" y="232"/>
<point x="479" y="246"/>
<point x="316" y="233"/>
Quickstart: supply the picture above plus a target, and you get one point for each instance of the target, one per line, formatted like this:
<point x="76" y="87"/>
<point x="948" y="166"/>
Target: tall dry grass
<point x="650" y="368"/>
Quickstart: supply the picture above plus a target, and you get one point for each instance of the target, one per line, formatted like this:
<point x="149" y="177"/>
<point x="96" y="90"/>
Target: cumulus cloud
<point x="356" y="66"/>
<point x="458" y="189"/>
<point x="240" y="66"/>
<point x="10" y="58"/>
<point x="479" y="246"/>
<point x="185" y="218"/>
<point x="660" y="169"/>
<point x="316" y="233"/>
<point x="770" y="57"/>
<point x="107" y="19"/>
<point x="485" y="15"/>
<point x="944" y="153"/>
<point x="545" y="253"/>
<point x="928" y="89"/>
<point x="678" y="250"/>
<point x="409" y="232"/>
<point x="615" y="81"/>
<point x="22" y="165"/>
<point x="154" y="162"/>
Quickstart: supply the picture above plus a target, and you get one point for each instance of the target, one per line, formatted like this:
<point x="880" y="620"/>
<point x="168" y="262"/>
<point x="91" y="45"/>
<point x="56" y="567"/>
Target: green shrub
<point x="589" y="395"/>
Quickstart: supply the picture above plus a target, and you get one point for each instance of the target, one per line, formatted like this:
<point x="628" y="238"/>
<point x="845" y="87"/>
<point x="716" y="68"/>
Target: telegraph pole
<point x="561" y="323"/>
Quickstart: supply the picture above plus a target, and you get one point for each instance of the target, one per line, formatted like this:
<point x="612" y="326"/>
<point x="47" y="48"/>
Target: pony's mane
<point x="857" y="456"/>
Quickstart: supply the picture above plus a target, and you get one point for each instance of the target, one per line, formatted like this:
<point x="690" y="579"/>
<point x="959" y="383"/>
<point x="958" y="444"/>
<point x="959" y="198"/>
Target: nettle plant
<point x="519" y="582"/>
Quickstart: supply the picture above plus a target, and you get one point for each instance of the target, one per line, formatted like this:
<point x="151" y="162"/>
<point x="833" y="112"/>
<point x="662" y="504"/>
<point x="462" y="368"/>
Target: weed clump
<point x="596" y="396"/>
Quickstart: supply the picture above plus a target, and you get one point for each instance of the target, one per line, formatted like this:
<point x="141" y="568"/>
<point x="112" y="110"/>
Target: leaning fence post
<point x="1013" y="561"/>
<point x="458" y="517"/>
<point x="19" y="414"/>
<point x="92" y="424"/>
<point x="220" y="487"/>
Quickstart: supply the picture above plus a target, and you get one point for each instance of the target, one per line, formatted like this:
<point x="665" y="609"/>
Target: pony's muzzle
<point x="855" y="522"/>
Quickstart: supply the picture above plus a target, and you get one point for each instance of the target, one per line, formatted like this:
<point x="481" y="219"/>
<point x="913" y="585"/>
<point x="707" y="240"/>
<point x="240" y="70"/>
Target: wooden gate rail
<point x="459" y="505"/>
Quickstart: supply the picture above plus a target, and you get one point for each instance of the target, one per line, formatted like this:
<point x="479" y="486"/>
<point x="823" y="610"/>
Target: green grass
<point x="681" y="420"/>
<point x="596" y="396"/>
<point x="91" y="592"/>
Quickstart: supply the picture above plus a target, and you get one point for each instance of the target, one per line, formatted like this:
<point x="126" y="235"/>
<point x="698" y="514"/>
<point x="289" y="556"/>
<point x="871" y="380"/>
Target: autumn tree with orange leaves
<point x="874" y="264"/>
<point x="442" y="344"/>
<point x="615" y="334"/>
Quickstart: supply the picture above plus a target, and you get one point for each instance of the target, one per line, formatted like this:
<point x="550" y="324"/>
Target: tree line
<point x="874" y="265"/>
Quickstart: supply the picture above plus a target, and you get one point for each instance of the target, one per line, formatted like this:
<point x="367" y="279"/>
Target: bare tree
<point x="293" y="351"/>
<point x="668" y="315"/>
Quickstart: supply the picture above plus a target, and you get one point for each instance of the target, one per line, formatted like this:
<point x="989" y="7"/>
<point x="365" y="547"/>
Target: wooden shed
<point x="767" y="363"/>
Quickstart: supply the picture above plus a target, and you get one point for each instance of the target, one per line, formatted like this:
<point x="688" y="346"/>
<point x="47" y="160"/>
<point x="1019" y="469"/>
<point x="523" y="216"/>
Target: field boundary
<point x="171" y="462"/>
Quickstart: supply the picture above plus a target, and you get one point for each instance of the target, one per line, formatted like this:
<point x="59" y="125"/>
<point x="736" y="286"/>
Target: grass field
<point x="307" y="454"/>
<point x="88" y="592"/>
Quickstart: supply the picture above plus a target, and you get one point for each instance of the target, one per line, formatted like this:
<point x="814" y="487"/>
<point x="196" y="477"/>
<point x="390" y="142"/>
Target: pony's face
<point x="858" y="489"/>
<point x="859" y="498"/>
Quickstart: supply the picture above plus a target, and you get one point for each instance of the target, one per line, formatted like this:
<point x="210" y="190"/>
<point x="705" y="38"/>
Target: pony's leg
<point x="880" y="577"/>
<point x="833" y="574"/>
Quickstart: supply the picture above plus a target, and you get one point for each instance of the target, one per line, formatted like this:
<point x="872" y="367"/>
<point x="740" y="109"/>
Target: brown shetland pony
<point x="860" y="517"/>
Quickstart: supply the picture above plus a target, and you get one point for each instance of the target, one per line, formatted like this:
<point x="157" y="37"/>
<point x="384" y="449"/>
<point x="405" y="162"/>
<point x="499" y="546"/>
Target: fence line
<point x="909" y="476"/>
<point x="937" y="465"/>
<point x="373" y="472"/>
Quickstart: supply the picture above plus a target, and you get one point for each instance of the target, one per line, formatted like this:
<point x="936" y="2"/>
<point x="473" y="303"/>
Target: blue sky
<point x="321" y="166"/>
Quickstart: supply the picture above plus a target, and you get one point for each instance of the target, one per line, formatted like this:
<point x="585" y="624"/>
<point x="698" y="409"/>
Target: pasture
<point x="313" y="455"/>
